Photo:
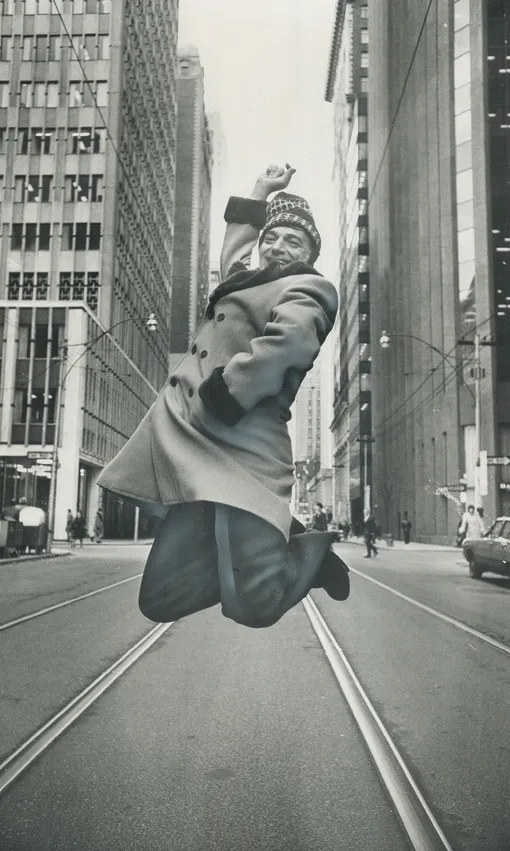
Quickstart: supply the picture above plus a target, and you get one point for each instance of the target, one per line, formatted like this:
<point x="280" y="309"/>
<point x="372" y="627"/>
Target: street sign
<point x="454" y="488"/>
<point x="32" y="455"/>
<point x="499" y="461"/>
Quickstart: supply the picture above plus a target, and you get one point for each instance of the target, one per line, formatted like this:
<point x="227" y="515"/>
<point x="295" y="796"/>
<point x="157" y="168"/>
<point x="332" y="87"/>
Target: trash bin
<point x="33" y="522"/>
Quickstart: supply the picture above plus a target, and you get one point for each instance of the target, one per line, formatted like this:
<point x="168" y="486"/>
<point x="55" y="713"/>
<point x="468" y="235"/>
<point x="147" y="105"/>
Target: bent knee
<point x="251" y="612"/>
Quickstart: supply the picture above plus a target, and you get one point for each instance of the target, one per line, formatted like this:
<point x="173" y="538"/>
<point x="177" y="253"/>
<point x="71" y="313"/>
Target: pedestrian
<point x="11" y="511"/>
<point x="69" y="526"/>
<point x="98" y="527"/>
<point x="79" y="529"/>
<point x="483" y="524"/>
<point x="370" y="528"/>
<point x="470" y="526"/>
<point x="346" y="528"/>
<point x="213" y="456"/>
<point x="320" y="520"/>
<point x="406" y="528"/>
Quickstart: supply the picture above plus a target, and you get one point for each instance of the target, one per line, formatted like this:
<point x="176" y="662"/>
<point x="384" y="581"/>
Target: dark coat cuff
<point x="217" y="398"/>
<point x="246" y="211"/>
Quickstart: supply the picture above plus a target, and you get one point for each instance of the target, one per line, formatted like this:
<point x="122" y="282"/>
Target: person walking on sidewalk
<point x="406" y="528"/>
<point x="98" y="527"/>
<point x="471" y="525"/>
<point x="79" y="529"/>
<point x="370" y="529"/>
<point x="69" y="526"/>
<point x="320" y="521"/>
<point x="213" y="456"/>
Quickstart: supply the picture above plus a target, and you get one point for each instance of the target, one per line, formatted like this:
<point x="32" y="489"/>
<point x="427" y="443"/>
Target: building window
<point x="81" y="237"/>
<point x="25" y="97"/>
<point x="97" y="187"/>
<point x="44" y="237"/>
<point x="17" y="237"/>
<point x="102" y="93"/>
<point x="103" y="47"/>
<point x="4" y="95"/>
<point x="28" y="47"/>
<point x="30" y="7"/>
<point x="30" y="237"/>
<point x="87" y="142"/>
<point x="78" y="286"/>
<point x="75" y="93"/>
<point x="5" y="48"/>
<point x="67" y="237"/>
<point x="52" y="95"/>
<point x="54" y="48"/>
<point x="95" y="237"/>
<point x="64" y="288"/>
<point x="42" y="286"/>
<point x="13" y="286"/>
<point x="7" y="7"/>
<point x="27" y="292"/>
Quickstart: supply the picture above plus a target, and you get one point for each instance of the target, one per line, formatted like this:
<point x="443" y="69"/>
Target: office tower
<point x="346" y="89"/>
<point x="193" y="204"/>
<point x="88" y="103"/>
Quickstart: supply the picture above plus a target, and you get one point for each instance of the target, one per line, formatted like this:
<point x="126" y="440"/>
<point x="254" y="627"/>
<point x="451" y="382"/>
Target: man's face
<point x="284" y="245"/>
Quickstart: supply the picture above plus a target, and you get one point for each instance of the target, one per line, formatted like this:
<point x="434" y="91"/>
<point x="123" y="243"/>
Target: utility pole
<point x="54" y="454"/>
<point x="478" y="419"/>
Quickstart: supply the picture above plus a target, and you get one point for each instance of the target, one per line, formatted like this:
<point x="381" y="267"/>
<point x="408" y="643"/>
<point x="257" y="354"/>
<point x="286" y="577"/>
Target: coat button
<point x="203" y="354"/>
<point x="193" y="350"/>
<point x="190" y="393"/>
<point x="173" y="381"/>
<point x="220" y="317"/>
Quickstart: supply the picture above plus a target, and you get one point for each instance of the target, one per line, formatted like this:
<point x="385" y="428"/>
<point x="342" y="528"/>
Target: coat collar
<point x="243" y="279"/>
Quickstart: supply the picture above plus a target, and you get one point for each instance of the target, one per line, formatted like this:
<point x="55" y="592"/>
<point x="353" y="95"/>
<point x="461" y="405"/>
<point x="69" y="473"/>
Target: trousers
<point x="205" y="554"/>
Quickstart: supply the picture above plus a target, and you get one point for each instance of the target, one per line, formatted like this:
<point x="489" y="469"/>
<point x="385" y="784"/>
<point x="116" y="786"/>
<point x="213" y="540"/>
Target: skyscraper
<point x="439" y="235"/>
<point x="88" y="104"/>
<point x="346" y="88"/>
<point x="193" y="204"/>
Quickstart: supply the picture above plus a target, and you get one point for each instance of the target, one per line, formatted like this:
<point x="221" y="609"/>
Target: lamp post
<point x="477" y="373"/>
<point x="152" y="325"/>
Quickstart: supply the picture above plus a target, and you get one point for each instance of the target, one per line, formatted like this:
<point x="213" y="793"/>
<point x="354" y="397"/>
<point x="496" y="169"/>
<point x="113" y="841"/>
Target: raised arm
<point x="245" y="217"/>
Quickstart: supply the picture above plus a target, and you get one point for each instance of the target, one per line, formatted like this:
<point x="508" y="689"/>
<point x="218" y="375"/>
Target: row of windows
<point x="48" y="94"/>
<point x="75" y="237"/>
<point x="39" y="141"/>
<point x="73" y="286"/>
<point x="46" y="48"/>
<point x="34" y="188"/>
<point x="46" y="7"/>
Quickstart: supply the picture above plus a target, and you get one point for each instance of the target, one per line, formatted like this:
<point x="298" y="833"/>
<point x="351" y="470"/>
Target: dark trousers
<point x="369" y="541"/>
<point x="205" y="553"/>
<point x="407" y="536"/>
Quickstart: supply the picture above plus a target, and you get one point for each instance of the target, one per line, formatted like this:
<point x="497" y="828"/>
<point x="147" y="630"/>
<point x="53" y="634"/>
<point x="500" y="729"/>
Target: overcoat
<point x="250" y="353"/>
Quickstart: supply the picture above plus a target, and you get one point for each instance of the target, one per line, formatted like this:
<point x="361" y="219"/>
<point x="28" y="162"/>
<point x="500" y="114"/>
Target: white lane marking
<point x="38" y="614"/>
<point x="446" y="618"/>
<point x="415" y="815"/>
<point x="24" y="755"/>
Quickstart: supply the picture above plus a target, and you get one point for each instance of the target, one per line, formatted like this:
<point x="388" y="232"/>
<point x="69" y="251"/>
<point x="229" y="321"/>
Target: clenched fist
<point x="274" y="178"/>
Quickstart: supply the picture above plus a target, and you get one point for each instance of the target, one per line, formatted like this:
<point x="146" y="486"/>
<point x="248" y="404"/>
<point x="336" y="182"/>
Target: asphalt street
<point x="221" y="737"/>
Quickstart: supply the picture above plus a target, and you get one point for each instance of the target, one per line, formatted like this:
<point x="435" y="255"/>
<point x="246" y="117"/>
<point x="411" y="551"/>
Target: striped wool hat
<point x="293" y="212"/>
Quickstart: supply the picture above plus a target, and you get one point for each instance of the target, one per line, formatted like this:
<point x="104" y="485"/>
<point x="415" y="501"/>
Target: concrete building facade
<point x="193" y="204"/>
<point x="88" y="104"/>
<point x="439" y="239"/>
<point x="351" y="426"/>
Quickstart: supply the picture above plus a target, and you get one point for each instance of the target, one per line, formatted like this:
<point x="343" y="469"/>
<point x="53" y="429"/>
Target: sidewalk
<point x="413" y="546"/>
<point x="62" y="548"/>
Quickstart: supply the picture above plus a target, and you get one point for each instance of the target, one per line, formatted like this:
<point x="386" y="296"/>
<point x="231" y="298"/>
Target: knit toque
<point x="294" y="212"/>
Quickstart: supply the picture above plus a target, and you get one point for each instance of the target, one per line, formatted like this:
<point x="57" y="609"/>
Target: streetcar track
<point x="40" y="612"/>
<point x="416" y="817"/>
<point x="481" y="636"/>
<point x="40" y="741"/>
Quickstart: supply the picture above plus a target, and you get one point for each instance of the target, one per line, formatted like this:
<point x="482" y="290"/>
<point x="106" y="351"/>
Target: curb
<point x="32" y="557"/>
<point x="382" y="546"/>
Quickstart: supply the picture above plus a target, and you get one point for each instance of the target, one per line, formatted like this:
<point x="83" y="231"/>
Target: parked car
<point x="490" y="553"/>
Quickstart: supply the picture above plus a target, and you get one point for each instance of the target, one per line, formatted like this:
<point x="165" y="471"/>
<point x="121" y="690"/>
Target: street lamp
<point x="152" y="325"/>
<point x="477" y="372"/>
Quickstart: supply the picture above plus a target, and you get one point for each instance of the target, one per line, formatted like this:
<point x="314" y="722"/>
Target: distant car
<point x="491" y="553"/>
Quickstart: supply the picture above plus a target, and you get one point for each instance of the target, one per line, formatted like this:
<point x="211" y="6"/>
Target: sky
<point x="265" y="69"/>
